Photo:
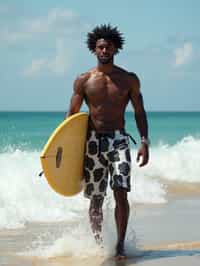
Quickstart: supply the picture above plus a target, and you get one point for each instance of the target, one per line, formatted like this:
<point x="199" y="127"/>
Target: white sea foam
<point x="77" y="240"/>
<point x="24" y="197"/>
<point x="179" y="162"/>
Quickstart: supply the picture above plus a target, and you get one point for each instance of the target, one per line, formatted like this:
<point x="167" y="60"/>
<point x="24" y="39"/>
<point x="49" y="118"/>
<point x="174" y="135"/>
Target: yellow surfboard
<point x="63" y="155"/>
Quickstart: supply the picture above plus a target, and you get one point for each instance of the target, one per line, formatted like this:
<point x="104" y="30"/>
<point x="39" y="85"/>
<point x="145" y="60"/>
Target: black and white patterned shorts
<point x="106" y="153"/>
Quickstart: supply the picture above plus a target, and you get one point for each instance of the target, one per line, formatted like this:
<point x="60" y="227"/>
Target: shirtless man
<point x="107" y="89"/>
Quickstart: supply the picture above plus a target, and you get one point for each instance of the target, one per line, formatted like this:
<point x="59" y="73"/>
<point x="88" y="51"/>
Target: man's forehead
<point x="104" y="41"/>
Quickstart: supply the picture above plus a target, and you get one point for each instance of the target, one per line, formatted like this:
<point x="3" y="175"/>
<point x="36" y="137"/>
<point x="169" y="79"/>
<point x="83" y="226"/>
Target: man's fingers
<point x="144" y="161"/>
<point x="138" y="157"/>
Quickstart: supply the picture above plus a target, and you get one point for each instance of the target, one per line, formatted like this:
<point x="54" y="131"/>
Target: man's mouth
<point x="105" y="56"/>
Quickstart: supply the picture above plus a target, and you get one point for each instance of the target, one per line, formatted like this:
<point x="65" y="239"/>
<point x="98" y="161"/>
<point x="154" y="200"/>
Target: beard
<point x="105" y="60"/>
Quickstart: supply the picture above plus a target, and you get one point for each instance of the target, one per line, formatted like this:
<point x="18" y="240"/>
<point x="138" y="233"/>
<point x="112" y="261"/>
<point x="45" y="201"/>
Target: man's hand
<point x="144" y="154"/>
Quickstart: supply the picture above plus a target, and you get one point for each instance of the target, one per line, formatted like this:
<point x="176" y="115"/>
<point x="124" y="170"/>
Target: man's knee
<point x="120" y="196"/>
<point x="96" y="204"/>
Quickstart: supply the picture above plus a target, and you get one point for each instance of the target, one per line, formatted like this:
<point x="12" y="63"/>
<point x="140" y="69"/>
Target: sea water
<point x="25" y="197"/>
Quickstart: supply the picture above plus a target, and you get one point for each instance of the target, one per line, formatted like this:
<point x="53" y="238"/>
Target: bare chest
<point x="107" y="88"/>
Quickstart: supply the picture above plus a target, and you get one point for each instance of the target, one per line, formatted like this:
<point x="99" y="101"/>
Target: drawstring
<point x="133" y="140"/>
<point x="102" y="135"/>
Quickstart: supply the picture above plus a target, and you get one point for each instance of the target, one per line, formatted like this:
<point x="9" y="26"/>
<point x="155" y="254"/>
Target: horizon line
<point x="62" y="111"/>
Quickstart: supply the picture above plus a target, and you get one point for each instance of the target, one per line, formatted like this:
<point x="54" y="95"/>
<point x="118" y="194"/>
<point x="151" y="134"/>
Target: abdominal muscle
<point x="104" y="119"/>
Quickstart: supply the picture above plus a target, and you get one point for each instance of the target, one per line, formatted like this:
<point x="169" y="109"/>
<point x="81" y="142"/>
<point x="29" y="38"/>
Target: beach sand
<point x="167" y="234"/>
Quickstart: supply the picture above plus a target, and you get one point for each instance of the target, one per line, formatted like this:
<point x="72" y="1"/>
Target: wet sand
<point x="167" y="233"/>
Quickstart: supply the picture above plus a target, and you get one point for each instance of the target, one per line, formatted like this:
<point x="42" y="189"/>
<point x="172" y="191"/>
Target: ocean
<point x="27" y="200"/>
<point x="174" y="157"/>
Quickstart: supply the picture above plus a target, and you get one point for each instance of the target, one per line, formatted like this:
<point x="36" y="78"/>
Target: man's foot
<point x="120" y="253"/>
<point x="98" y="238"/>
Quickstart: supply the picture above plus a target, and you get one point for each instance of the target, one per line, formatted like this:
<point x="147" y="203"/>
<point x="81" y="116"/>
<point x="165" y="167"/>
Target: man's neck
<point x="105" y="68"/>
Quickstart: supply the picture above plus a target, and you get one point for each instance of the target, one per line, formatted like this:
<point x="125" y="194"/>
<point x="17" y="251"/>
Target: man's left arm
<point x="140" y="118"/>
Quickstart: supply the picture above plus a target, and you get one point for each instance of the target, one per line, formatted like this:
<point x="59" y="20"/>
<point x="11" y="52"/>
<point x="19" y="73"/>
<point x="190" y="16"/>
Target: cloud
<point x="50" y="41"/>
<point x="57" y="22"/>
<point x="36" y="66"/>
<point x="57" y="65"/>
<point x="183" y="54"/>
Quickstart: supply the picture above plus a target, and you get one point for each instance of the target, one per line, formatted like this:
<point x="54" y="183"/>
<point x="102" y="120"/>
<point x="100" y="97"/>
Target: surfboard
<point x="63" y="155"/>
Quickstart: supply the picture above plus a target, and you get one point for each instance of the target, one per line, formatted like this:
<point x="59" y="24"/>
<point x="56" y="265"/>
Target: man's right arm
<point x="77" y="96"/>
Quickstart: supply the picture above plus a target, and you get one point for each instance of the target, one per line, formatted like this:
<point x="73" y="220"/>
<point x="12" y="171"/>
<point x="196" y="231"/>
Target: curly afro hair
<point x="105" y="32"/>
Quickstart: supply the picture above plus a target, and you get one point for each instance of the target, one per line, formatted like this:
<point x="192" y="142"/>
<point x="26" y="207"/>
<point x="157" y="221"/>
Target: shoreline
<point x="162" y="237"/>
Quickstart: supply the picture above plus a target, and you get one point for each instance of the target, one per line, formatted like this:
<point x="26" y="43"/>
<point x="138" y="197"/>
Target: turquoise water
<point x="30" y="130"/>
<point x="25" y="197"/>
<point x="169" y="127"/>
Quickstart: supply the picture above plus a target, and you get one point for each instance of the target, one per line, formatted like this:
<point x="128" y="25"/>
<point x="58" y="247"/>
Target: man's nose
<point x="104" y="50"/>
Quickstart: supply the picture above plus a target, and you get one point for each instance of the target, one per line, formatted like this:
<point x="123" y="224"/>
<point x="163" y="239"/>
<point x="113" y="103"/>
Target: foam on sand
<point x="24" y="197"/>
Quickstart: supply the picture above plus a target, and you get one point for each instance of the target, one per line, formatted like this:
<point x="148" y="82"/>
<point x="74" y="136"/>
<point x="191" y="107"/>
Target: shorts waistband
<point x="109" y="133"/>
<point x="113" y="134"/>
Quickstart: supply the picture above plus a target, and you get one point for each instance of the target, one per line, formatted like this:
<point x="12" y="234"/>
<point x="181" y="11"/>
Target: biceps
<point x="75" y="104"/>
<point x="137" y="102"/>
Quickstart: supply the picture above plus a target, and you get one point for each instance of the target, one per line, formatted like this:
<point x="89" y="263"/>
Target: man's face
<point x="105" y="51"/>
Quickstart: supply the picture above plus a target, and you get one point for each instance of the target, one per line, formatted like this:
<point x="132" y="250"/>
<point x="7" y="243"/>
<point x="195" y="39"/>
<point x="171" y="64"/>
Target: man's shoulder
<point x="134" y="80"/>
<point x="133" y="75"/>
<point x="129" y="74"/>
<point x="82" y="78"/>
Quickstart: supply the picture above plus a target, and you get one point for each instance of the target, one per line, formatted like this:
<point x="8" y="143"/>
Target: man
<point x="107" y="89"/>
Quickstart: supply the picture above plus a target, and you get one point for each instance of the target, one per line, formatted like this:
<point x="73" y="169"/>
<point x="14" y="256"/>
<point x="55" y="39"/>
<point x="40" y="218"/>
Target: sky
<point x="43" y="49"/>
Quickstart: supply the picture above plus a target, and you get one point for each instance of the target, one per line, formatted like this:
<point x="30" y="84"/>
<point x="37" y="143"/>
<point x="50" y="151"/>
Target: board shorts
<point x="106" y="153"/>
